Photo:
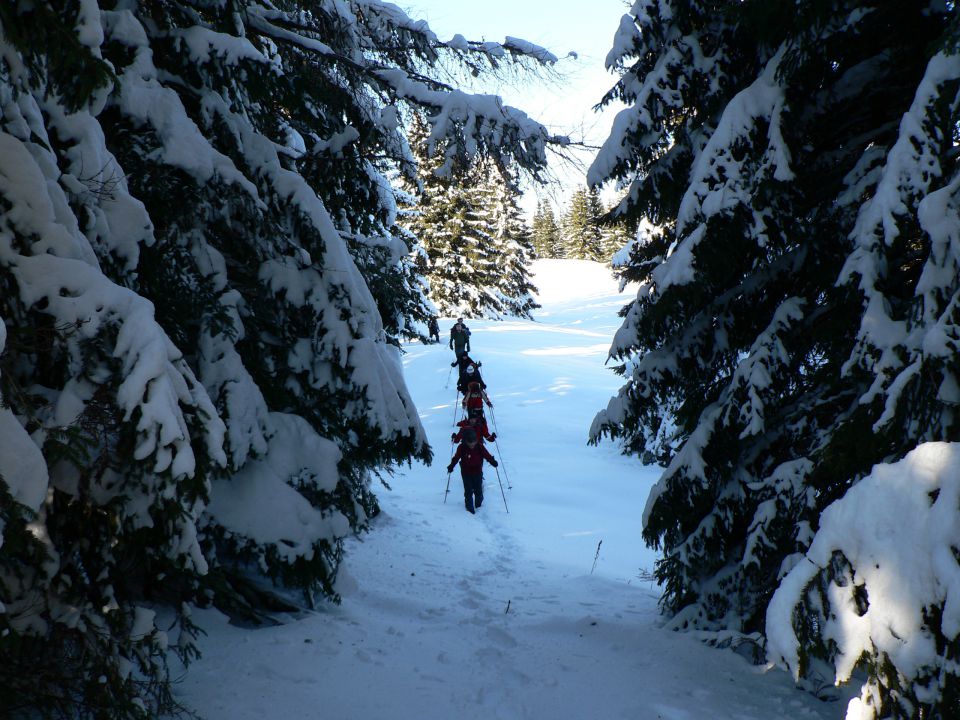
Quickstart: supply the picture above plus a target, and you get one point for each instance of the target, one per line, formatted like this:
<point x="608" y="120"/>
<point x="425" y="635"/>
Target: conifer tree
<point x="513" y="248"/>
<point x="446" y="221"/>
<point x="580" y="229"/>
<point x="484" y="266"/>
<point x="545" y="231"/>
<point x="473" y="235"/>
<point x="797" y="165"/>
<point x="202" y="278"/>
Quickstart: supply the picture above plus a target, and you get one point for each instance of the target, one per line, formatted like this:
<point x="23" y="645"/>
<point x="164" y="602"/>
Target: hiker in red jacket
<point x="471" y="454"/>
<point x="478" y="423"/>
<point x="475" y="397"/>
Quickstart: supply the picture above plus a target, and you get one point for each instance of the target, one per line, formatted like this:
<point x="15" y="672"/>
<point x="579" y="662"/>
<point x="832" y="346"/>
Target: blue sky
<point x="558" y="25"/>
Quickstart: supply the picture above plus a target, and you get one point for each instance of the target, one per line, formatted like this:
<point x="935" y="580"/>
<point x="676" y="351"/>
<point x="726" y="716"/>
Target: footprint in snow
<point x="501" y="637"/>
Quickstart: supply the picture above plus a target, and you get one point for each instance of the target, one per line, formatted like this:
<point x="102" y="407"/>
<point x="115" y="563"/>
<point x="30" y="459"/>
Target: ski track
<point x="497" y="616"/>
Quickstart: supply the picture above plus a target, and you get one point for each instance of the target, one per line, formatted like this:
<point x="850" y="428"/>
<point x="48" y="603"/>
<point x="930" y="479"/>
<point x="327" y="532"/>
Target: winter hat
<point x="469" y="369"/>
<point x="469" y="435"/>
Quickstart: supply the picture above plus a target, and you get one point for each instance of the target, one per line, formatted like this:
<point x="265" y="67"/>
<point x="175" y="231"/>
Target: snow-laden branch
<point x="908" y="182"/>
<point x="896" y="533"/>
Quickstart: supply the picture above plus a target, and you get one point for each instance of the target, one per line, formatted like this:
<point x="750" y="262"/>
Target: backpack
<point x="473" y="398"/>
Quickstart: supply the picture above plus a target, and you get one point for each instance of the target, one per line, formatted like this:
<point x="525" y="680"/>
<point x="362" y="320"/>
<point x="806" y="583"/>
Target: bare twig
<point x="596" y="557"/>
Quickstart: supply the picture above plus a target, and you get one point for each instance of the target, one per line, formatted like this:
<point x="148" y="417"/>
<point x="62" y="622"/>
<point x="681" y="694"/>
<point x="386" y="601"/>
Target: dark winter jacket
<point x="468" y="375"/>
<point x="463" y="361"/>
<point x="471" y="459"/>
<point x="460" y="338"/>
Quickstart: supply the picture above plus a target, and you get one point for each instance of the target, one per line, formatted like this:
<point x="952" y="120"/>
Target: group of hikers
<point x="473" y="430"/>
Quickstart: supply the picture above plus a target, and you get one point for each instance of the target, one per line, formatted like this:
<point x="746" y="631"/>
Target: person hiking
<point x="459" y="338"/>
<point x="475" y="397"/>
<point x="471" y="454"/>
<point x="463" y="359"/>
<point x="434" y="329"/>
<point x="469" y="376"/>
<point x="464" y="372"/>
<point x="478" y="424"/>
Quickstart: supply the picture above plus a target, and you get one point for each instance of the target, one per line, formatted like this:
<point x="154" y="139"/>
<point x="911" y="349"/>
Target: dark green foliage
<point x="766" y="359"/>
<point x="73" y="72"/>
<point x="199" y="262"/>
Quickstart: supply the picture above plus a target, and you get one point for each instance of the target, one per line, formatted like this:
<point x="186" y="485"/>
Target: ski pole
<point x="502" y="493"/>
<point x="452" y="443"/>
<point x="447" y="383"/>
<point x="499" y="451"/>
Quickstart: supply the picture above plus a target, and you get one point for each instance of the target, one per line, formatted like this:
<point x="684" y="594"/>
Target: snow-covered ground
<point x="504" y="616"/>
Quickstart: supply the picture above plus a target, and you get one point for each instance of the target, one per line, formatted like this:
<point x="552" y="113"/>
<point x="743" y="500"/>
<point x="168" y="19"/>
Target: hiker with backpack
<point x="471" y="454"/>
<point x="462" y="361"/>
<point x="475" y="396"/>
<point x="476" y="422"/>
<point x="468" y="372"/>
<point x="459" y="338"/>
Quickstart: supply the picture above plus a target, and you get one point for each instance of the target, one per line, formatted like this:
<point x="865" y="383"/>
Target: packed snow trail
<point x="498" y="616"/>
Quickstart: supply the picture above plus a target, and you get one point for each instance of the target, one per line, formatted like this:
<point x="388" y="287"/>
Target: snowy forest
<point x="583" y="229"/>
<point x="220" y="220"/>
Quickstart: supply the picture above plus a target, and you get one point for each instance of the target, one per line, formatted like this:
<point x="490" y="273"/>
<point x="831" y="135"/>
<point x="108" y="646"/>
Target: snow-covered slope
<point x="500" y="615"/>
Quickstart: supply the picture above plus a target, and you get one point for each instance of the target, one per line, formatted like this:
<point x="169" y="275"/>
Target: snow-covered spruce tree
<point x="417" y="261"/>
<point x="192" y="346"/>
<point x="580" y="229"/>
<point x="441" y="220"/>
<point x="347" y="159"/>
<point x="512" y="246"/>
<point x="795" y="322"/>
<point x="108" y="438"/>
<point x="545" y="231"/>
<point x="482" y="251"/>
<point x="385" y="254"/>
<point x="252" y="278"/>
<point x="294" y="108"/>
<point x="468" y="219"/>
